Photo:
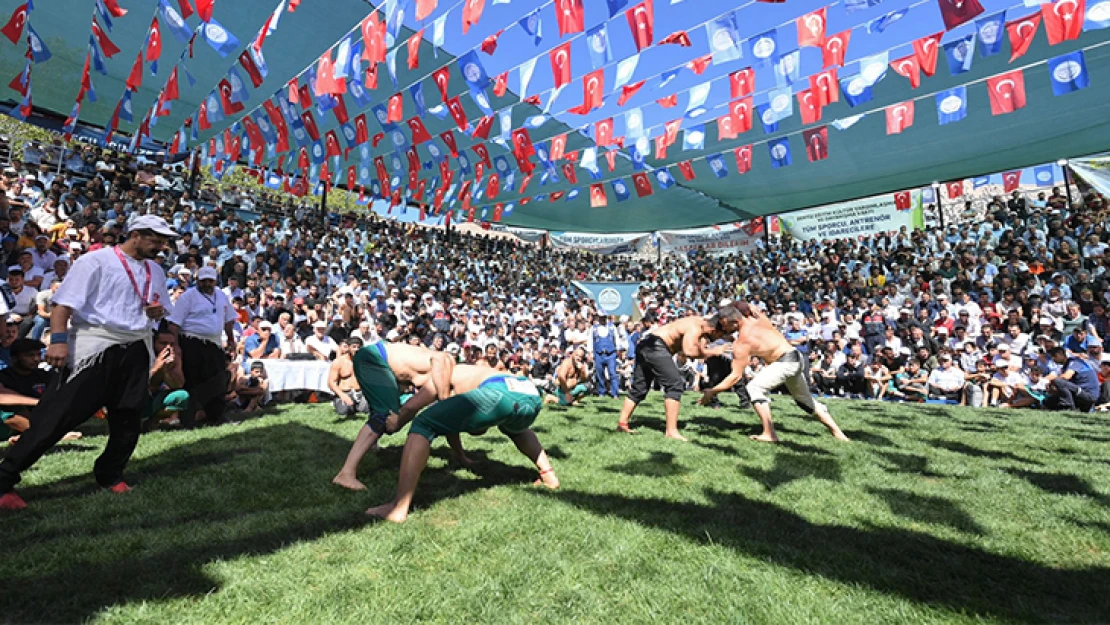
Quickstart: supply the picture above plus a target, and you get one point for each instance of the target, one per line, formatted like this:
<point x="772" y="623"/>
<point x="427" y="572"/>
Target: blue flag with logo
<point x="416" y="91"/>
<point x="764" y="46"/>
<point x="358" y="93"/>
<point x="693" y="138"/>
<point x="881" y="23"/>
<point x="856" y="90"/>
<point x="215" y="109"/>
<point x="724" y="39"/>
<point x="222" y="41"/>
<point x="767" y="117"/>
<point x="239" y="92"/>
<point x="39" y="51"/>
<point x="597" y="40"/>
<point x="472" y="71"/>
<point x="664" y="178"/>
<point x="990" y="30"/>
<point x="960" y="53"/>
<point x="532" y="25"/>
<point x="172" y="19"/>
<point x="1098" y="15"/>
<point x="125" y="107"/>
<point x="1044" y="175"/>
<point x="612" y="298"/>
<point x="779" y="150"/>
<point x="717" y="165"/>
<point x="620" y="189"/>
<point x="981" y="181"/>
<point x="482" y="100"/>
<point x="788" y="68"/>
<point x="1068" y="72"/>
<point x="637" y="157"/>
<point x="951" y="105"/>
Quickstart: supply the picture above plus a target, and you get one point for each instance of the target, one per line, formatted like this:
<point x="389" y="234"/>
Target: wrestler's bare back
<point x="410" y="363"/>
<point x="673" y="332"/>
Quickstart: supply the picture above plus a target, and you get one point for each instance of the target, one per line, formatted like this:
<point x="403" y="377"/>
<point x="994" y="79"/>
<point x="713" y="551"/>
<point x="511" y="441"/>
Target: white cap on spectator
<point x="206" y="273"/>
<point x="185" y="272"/>
<point x="153" y="223"/>
<point x="942" y="330"/>
<point x="308" y="263"/>
<point x="75" y="245"/>
<point x="320" y="324"/>
<point x="266" y="325"/>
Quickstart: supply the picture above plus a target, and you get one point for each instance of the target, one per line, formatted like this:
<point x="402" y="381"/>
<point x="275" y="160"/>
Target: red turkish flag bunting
<point x="204" y="9"/>
<point x="230" y="108"/>
<point x="641" y="19"/>
<point x="569" y="173"/>
<point x="678" y="37"/>
<point x="116" y="11"/>
<point x="419" y="131"/>
<point x="171" y="93"/>
<point x="899" y="117"/>
<point x="483" y="153"/>
<point x="560" y="64"/>
<point x="741" y="113"/>
<point x="424" y="8"/>
<point x="310" y="125"/>
<point x="135" y="78"/>
<point x="825" y="87"/>
<point x="455" y="108"/>
<point x="494" y="186"/>
<point x="743" y="159"/>
<point x="413" y="47"/>
<point x="340" y="110"/>
<point x="642" y="184"/>
<point x="442" y="78"/>
<point x="501" y="84"/>
<point x="558" y="146"/>
<point x="13" y="30"/>
<point x="808" y="106"/>
<point x="373" y="39"/>
<point x="627" y="91"/>
<point x="325" y="76"/>
<point x="106" y="46"/>
<point x="252" y="70"/>
<point x="670" y="131"/>
<point x="362" y="132"/>
<point x="471" y="13"/>
<point x="331" y="144"/>
<point x="670" y="101"/>
<point x="817" y="143"/>
<point x="522" y="144"/>
<point x="1007" y="92"/>
<point x="482" y="127"/>
<point x="570" y="15"/>
<point x="836" y="48"/>
<point x="926" y="50"/>
<point x="700" y="64"/>
<point x="1063" y="19"/>
<point x="956" y="12"/>
<point x="902" y="200"/>
<point x="305" y="96"/>
<point x="395" y="108"/>
<point x="909" y="67"/>
<point x="593" y="90"/>
<point x="741" y="82"/>
<point x="661" y="148"/>
<point x="154" y="41"/>
<point x="811" y="28"/>
<point x="611" y="159"/>
<point x="955" y="189"/>
<point x="1011" y="180"/>
<point x="603" y="132"/>
<point x="598" y="198"/>
<point x="726" y="127"/>
<point x="1021" y="34"/>
<point x="687" y="170"/>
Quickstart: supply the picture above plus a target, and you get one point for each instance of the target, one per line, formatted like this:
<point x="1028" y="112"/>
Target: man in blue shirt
<point x="262" y="344"/>
<point x="1077" y="387"/>
<point x="604" y="337"/>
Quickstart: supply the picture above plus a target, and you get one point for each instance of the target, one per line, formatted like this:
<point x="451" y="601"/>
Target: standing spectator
<point x="204" y="318"/>
<point x="605" y="357"/>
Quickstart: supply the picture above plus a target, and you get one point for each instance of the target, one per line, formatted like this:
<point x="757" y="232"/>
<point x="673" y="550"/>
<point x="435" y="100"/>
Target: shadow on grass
<point x="1061" y="484"/>
<point x="910" y="464"/>
<point x="658" y="464"/>
<point x="926" y="509"/>
<point x="213" y="499"/>
<point x="889" y="425"/>
<point x="790" y="467"/>
<point x="870" y="438"/>
<point x="913" y="565"/>
<point x="975" y="452"/>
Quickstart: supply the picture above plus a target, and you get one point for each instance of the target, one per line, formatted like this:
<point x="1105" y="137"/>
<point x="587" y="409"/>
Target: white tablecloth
<point x="287" y="375"/>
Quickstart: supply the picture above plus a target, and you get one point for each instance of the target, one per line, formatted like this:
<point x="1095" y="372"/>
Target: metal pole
<point x="767" y="232"/>
<point x="1063" y="163"/>
<point x="447" y="222"/>
<point x="658" y="250"/>
<point x="194" y="175"/>
<point x="324" y="206"/>
<point x="940" y="205"/>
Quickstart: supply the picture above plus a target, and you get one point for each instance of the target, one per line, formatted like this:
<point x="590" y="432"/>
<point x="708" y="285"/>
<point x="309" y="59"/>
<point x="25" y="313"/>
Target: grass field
<point x="933" y="514"/>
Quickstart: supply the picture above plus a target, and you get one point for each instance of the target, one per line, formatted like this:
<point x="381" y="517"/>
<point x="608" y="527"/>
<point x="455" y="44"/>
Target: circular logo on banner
<point x="694" y="136"/>
<point x="472" y="73"/>
<point x="609" y="299"/>
<point x="635" y="119"/>
<point x="764" y="48"/>
<point x="778" y="152"/>
<point x="397" y="163"/>
<point x="872" y="72"/>
<point x="716" y="164"/>
<point x="856" y="86"/>
<point x="1099" y="12"/>
<point x="780" y="102"/>
<point x="1067" y="71"/>
<point x="951" y="104"/>
<point x="1044" y="176"/>
<point x="398" y="137"/>
<point x="722" y="40"/>
<point x="356" y="90"/>
<point x="236" y="84"/>
<point x="215" y="33"/>
<point x="382" y="116"/>
<point x="433" y="149"/>
<point x="620" y="188"/>
<point x="349" y="133"/>
<point x="787" y="65"/>
<point x="988" y="32"/>
<point x="598" y="42"/>
<point x="364" y="173"/>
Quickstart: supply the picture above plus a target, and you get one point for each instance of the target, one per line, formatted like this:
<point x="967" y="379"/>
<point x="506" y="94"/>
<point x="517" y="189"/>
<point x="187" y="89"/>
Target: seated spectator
<point x="21" y="386"/>
<point x="251" y="391"/>
<point x="291" y="345"/>
<point x="320" y="345"/>
<point x="877" y="377"/>
<point x="947" y="381"/>
<point x="167" y="378"/>
<point x="978" y="377"/>
<point x="850" y="376"/>
<point x="1077" y="386"/>
<point x="263" y="344"/>
<point x="342" y="382"/>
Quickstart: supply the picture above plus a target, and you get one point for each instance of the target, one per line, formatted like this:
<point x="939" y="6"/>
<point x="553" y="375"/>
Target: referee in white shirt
<point x="100" y="341"/>
<point x="203" y="317"/>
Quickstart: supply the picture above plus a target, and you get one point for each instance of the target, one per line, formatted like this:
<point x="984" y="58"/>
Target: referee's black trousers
<point x="206" y="378"/>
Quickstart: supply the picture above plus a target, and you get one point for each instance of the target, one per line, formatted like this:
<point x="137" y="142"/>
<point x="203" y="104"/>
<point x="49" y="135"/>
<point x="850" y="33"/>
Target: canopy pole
<point x="1063" y="163"/>
<point x="324" y="206"/>
<point x="543" y="245"/>
<point x="767" y="232"/>
<point x="940" y="205"/>
<point x="658" y="249"/>
<point x="194" y="175"/>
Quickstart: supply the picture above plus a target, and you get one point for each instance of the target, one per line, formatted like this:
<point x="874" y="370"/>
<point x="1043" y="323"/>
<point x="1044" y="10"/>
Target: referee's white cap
<point x="153" y="223"/>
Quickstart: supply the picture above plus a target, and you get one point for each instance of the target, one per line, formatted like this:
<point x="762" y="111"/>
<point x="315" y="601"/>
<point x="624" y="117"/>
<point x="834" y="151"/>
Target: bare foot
<point x="676" y="436"/>
<point x="72" y="436"/>
<point x="548" y="479"/>
<point x="766" y="438"/>
<point x="349" y="482"/>
<point x="623" y="427"/>
<point x="388" y="512"/>
<point x="13" y="440"/>
<point x="841" y="437"/>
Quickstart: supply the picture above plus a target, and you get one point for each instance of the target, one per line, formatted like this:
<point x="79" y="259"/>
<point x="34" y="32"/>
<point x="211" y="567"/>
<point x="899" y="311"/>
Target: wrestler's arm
<point x="740" y="357"/>
<point x="442" y="367"/>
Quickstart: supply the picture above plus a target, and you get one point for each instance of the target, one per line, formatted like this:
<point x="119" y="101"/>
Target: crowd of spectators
<point x="1004" y="308"/>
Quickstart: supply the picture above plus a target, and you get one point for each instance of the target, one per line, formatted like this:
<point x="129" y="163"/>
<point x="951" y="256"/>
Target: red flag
<point x="483" y="153"/>
<point x="558" y="146"/>
<point x="808" y="106"/>
<point x="204" y="9"/>
<point x="909" y="67"/>
<point x="598" y="198"/>
<point x="902" y="200"/>
<point x="489" y="44"/>
<point x="305" y="96"/>
<point x="331" y="144"/>
<point x="627" y="91"/>
<point x="955" y="189"/>
<point x="257" y="141"/>
<point x="835" y="48"/>
<point x="340" y="110"/>
<point x="1007" y="92"/>
<point x="471" y="13"/>
<point x="593" y="88"/>
<point x="726" y="127"/>
<point x="310" y="125"/>
<point x="171" y="90"/>
<point x="442" y="78"/>
<point x="925" y="51"/>
<point x="371" y="77"/>
<point x="570" y="16"/>
<point x="413" y="47"/>
<point x="501" y="84"/>
<point x="524" y="185"/>
<point x="252" y="70"/>
<point x="811" y="29"/>
<point x="611" y="159"/>
<point x="643" y="184"/>
<point x="154" y="41"/>
<point x="700" y="64"/>
<point x="373" y="39"/>
<point x="956" y="12"/>
<point x="678" y="37"/>
<point x="497" y="210"/>
<point x="522" y="143"/>
<point x="569" y="173"/>
<point x="670" y="101"/>
<point x="13" y="30"/>
<point x="424" y="8"/>
<point x="817" y="143"/>
<point x="362" y="132"/>
<point x="825" y="87"/>
<point x="494" y="186"/>
<point x="670" y="131"/>
<point x="437" y="200"/>
<point x="482" y="128"/>
<point x="395" y="108"/>
<point x="641" y="19"/>
<point x="21" y="88"/>
<point x="383" y="175"/>
<point x="603" y="132"/>
<point x="1011" y="180"/>
<point x="202" y="116"/>
<point x="560" y="64"/>
<point x="687" y="170"/>
<point x="116" y="11"/>
<point x="741" y="82"/>
<point x="449" y="139"/>
<point x="741" y="113"/>
<point x="455" y="108"/>
<point x="106" y="46"/>
<point x="419" y="131"/>
<point x="743" y="159"/>
<point x="135" y="78"/>
<point x="1063" y="19"/>
<point x="376" y="139"/>
<point x="899" y="117"/>
<point x="1021" y="34"/>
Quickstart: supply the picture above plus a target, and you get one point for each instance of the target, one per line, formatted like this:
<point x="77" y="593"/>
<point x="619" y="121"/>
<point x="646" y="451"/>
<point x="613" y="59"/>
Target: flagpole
<point x="767" y="233"/>
<point x="324" y="206"/>
<point x="195" y="173"/>
<point x="940" y="205"/>
<point x="1063" y="163"/>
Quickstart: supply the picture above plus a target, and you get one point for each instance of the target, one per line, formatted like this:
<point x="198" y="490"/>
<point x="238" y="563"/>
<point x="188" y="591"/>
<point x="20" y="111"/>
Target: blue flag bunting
<point x="779" y="150"/>
<point x="532" y="25"/>
<point x="990" y="30"/>
<point x="763" y="47"/>
<point x="239" y="92"/>
<point x="694" y="138"/>
<point x="126" y="111"/>
<point x="97" y="60"/>
<point x="215" y="109"/>
<point x="717" y="165"/>
<point x="620" y="189"/>
<point x="637" y="157"/>
<point x="221" y="40"/>
<point x="788" y="68"/>
<point x="472" y="71"/>
<point x="856" y="90"/>
<point x="851" y="6"/>
<point x="597" y="41"/>
<point x="416" y="91"/>
<point x="951" y="105"/>
<point x="1068" y="72"/>
<point x="39" y="52"/>
<point x="482" y="100"/>
<point x="1044" y="175"/>
<point x="172" y="19"/>
<point x="981" y="181"/>
<point x="1098" y="15"/>
<point x="881" y="23"/>
<point x="664" y="178"/>
<point x="724" y="39"/>
<point x="960" y="54"/>
<point x="616" y="6"/>
<point x="104" y="14"/>
<point x="767" y="117"/>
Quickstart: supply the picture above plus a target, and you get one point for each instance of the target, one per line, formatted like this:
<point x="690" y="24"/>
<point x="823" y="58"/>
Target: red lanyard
<point x="134" y="283"/>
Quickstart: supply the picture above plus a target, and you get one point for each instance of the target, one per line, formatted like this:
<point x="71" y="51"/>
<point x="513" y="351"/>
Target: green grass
<point x="934" y="514"/>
